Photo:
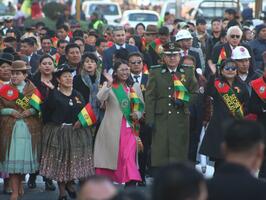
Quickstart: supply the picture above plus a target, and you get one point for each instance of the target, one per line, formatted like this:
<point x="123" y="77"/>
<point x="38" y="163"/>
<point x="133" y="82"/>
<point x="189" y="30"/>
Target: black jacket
<point x="235" y="182"/>
<point x="214" y="135"/>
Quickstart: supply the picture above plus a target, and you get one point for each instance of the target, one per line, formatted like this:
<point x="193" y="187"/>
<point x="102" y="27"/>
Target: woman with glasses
<point x="230" y="98"/>
<point x="116" y="140"/>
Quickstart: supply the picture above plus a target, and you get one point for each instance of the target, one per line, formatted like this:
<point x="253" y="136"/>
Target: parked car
<point x="110" y="10"/>
<point x="133" y="17"/>
<point x="210" y="9"/>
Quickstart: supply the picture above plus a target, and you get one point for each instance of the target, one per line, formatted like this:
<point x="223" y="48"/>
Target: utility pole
<point x="258" y="8"/>
<point x="78" y="10"/>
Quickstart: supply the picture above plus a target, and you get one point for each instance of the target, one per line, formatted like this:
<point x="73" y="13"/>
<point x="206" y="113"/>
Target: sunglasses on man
<point x="235" y="36"/>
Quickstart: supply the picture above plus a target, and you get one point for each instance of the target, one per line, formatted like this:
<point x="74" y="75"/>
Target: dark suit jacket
<point x="51" y="53"/>
<point x="235" y="182"/>
<point x="108" y="55"/>
<point x="34" y="63"/>
<point x="196" y="56"/>
<point x="217" y="50"/>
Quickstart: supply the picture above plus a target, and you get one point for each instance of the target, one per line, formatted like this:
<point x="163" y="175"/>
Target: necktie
<point x="136" y="77"/>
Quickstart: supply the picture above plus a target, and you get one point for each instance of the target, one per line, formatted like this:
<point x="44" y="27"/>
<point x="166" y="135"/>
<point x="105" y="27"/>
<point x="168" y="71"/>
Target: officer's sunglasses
<point x="235" y="36"/>
<point x="231" y="68"/>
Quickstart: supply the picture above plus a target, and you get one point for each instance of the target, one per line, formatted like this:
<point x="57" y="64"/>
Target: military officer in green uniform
<point x="169" y="91"/>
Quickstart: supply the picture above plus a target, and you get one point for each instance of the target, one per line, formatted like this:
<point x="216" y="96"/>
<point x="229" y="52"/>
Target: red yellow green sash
<point x="86" y="116"/>
<point x="230" y="99"/>
<point x="181" y="92"/>
<point x="259" y="86"/>
<point x="128" y="105"/>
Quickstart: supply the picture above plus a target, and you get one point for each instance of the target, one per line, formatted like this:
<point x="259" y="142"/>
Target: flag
<point x="36" y="99"/>
<point x="222" y="56"/>
<point x="180" y="90"/>
<point x="145" y="69"/>
<point x="87" y="116"/>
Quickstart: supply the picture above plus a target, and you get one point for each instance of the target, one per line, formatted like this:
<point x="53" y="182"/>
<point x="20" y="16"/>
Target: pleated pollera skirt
<point x="66" y="153"/>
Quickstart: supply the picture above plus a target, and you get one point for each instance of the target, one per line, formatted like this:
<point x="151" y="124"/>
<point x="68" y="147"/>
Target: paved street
<point x="40" y="194"/>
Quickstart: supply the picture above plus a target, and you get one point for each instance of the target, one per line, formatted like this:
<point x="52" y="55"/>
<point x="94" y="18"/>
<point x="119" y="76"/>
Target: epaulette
<point x="155" y="66"/>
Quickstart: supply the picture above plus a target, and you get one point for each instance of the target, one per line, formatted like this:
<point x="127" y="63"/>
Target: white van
<point x="110" y="10"/>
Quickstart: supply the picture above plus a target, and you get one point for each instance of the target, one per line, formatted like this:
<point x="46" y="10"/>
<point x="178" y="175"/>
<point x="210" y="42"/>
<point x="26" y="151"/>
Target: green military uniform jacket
<point x="170" y="124"/>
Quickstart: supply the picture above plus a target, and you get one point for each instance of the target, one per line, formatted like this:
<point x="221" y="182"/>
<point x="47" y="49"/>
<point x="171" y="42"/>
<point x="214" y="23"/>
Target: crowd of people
<point x="124" y="103"/>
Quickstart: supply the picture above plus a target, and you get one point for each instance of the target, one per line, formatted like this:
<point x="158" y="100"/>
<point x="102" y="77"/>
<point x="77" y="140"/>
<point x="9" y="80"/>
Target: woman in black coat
<point x="227" y="88"/>
<point x="89" y="81"/>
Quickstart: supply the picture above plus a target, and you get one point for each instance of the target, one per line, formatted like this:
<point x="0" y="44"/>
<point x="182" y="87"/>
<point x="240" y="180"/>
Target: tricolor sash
<point x="230" y="99"/>
<point x="259" y="86"/>
<point x="128" y="105"/>
<point x="180" y="91"/>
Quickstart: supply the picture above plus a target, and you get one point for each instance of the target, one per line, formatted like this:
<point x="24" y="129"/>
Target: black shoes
<point x="49" y="185"/>
<point x="32" y="182"/>
<point x="72" y="194"/>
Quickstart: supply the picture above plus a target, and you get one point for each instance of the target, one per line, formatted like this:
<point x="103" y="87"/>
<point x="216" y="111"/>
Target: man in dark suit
<point x="119" y="37"/>
<point x="184" y="40"/>
<point x="234" y="35"/>
<point x="27" y="49"/>
<point x="135" y="62"/>
<point x="243" y="149"/>
<point x="47" y="48"/>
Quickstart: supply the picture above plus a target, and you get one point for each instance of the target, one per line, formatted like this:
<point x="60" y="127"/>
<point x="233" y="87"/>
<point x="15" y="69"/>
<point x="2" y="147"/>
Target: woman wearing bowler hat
<point x="19" y="128"/>
<point x="66" y="146"/>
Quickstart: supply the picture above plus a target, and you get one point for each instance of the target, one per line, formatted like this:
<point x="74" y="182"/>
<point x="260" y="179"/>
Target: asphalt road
<point x="39" y="192"/>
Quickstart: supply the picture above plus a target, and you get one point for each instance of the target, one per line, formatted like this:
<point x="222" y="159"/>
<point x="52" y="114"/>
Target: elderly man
<point x="167" y="110"/>
<point x="223" y="51"/>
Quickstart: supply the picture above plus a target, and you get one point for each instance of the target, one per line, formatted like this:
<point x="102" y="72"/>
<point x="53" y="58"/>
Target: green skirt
<point x="20" y="158"/>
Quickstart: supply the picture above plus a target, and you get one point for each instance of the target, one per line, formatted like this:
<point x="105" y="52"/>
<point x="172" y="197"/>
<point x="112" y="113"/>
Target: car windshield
<point x="215" y="9"/>
<point x="142" y="17"/>
<point x="105" y="9"/>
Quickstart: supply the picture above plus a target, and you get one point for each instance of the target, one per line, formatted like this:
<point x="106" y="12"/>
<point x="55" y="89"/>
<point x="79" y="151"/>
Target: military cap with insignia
<point x="171" y="48"/>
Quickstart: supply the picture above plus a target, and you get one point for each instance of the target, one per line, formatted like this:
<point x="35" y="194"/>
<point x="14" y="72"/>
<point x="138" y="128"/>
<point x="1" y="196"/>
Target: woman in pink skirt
<point x="115" y="153"/>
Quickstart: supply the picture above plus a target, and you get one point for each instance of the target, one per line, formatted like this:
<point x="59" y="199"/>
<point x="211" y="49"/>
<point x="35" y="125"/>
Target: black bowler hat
<point x="6" y="58"/>
<point x="63" y="68"/>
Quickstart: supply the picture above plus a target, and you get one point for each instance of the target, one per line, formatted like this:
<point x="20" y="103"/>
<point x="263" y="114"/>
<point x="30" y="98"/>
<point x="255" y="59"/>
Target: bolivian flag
<point x="222" y="56"/>
<point x="180" y="90"/>
<point x="145" y="69"/>
<point x="36" y="99"/>
<point x="87" y="116"/>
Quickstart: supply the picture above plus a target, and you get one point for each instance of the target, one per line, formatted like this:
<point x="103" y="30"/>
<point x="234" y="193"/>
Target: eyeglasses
<point x="231" y="68"/>
<point x="136" y="62"/>
<point x="235" y="36"/>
